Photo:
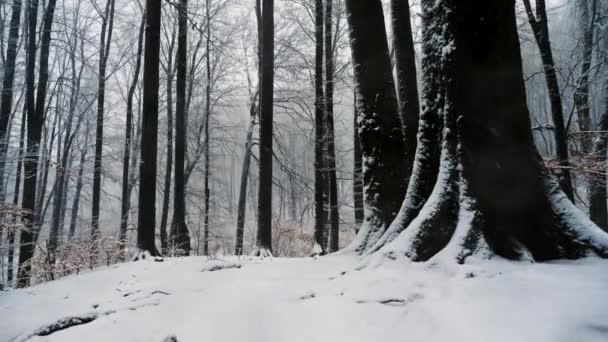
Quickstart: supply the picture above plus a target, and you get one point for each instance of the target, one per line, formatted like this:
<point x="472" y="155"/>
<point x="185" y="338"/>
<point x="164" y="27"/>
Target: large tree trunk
<point x="125" y="200"/>
<point x="35" y="118"/>
<point x="319" y="164"/>
<point x="146" y="218"/>
<point x="492" y="194"/>
<point x="179" y="235"/>
<point x="407" y="85"/>
<point x="379" y="124"/>
<point x="264" y="234"/>
<point x="334" y="210"/>
<point x="104" y="51"/>
<point x="540" y="28"/>
<point x="164" y="244"/>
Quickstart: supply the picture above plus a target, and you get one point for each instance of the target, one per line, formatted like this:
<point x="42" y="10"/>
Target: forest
<point x="341" y="147"/>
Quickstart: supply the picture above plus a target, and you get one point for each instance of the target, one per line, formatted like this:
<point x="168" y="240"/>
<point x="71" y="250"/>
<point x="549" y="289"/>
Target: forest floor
<point x="325" y="299"/>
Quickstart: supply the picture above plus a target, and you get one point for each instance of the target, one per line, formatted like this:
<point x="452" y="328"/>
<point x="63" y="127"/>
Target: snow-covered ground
<point x="325" y="299"/>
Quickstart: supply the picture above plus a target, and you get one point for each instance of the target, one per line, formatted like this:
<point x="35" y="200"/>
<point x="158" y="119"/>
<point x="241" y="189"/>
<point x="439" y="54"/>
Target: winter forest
<point x="303" y="170"/>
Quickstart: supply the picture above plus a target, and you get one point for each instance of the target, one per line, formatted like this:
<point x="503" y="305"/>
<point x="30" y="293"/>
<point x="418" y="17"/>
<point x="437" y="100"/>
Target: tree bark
<point x="242" y="205"/>
<point x="179" y="235"/>
<point x="379" y="124"/>
<point x="493" y="195"/>
<point x="540" y="28"/>
<point x="264" y="234"/>
<point x="207" y="140"/>
<point x="146" y="218"/>
<point x="11" y="233"/>
<point x="334" y="209"/>
<point x="357" y="171"/>
<point x="407" y="84"/>
<point x="320" y="135"/>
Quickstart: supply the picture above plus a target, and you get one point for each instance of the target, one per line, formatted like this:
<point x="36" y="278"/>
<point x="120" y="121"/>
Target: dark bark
<point x="164" y="244"/>
<point x="179" y="235"/>
<point x="7" y="87"/>
<point x="334" y="210"/>
<point x="492" y="194"/>
<point x="125" y="199"/>
<point x="320" y="135"/>
<point x="540" y="28"/>
<point x="207" y="140"/>
<point x="104" y="51"/>
<point x="598" y="211"/>
<point x="35" y="116"/>
<point x="146" y="218"/>
<point x="379" y="124"/>
<point x="357" y="172"/>
<point x="407" y="85"/>
<point x="264" y="234"/>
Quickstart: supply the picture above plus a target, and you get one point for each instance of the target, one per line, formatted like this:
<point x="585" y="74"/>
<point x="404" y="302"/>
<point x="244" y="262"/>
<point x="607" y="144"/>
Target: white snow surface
<point x="329" y="299"/>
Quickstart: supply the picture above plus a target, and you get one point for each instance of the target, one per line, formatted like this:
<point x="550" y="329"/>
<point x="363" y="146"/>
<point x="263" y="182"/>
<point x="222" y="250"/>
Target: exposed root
<point x="65" y="323"/>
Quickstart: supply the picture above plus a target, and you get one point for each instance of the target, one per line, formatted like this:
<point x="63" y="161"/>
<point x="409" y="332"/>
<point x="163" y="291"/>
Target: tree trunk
<point x="357" y="172"/>
<point x="104" y="48"/>
<point x="79" y="184"/>
<point x="146" y="218"/>
<point x="581" y="93"/>
<point x="164" y="245"/>
<point x="11" y="233"/>
<point x="35" y="118"/>
<point x="492" y="194"/>
<point x="540" y="28"/>
<point x="125" y="201"/>
<point x="7" y="87"/>
<point x="407" y="84"/>
<point x="319" y="165"/>
<point x="206" y="142"/>
<point x="379" y="124"/>
<point x="242" y="205"/>
<point x="334" y="210"/>
<point x="179" y="235"/>
<point x="264" y="234"/>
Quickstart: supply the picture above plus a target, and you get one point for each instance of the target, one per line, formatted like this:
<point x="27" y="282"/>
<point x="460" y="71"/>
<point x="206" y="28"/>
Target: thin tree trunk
<point x="179" y="234"/>
<point x="104" y="51"/>
<point x="11" y="233"/>
<point x="207" y="140"/>
<point x="540" y="28"/>
<point x="164" y="245"/>
<point x="320" y="135"/>
<point x="334" y="210"/>
<point x="242" y="205"/>
<point x="125" y="200"/>
<point x="77" y="192"/>
<point x="264" y="234"/>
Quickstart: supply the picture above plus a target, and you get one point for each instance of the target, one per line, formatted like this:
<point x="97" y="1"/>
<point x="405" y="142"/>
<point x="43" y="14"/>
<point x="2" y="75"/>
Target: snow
<point x="330" y="298"/>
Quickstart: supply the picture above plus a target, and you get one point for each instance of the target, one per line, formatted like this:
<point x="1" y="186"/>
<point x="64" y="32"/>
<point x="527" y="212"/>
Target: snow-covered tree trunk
<point x="378" y="122"/>
<point x="492" y="194"/>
